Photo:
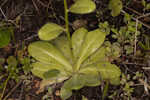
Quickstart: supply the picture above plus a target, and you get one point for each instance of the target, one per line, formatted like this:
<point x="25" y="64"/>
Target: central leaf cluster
<point x="83" y="65"/>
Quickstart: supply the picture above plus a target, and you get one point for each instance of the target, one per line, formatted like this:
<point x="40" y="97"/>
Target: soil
<point x="27" y="16"/>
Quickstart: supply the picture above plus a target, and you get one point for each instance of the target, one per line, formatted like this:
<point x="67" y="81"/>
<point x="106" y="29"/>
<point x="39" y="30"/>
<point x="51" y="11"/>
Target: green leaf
<point x="62" y="44"/>
<point x="48" y="54"/>
<point x="143" y="3"/>
<point x="92" y="42"/>
<point x="115" y="81"/>
<point x="115" y="6"/>
<point x="90" y="75"/>
<point x="74" y="83"/>
<point x="83" y="7"/>
<point x="109" y="72"/>
<point x="50" y="31"/>
<point x="77" y="40"/>
<point x="51" y="73"/>
<point x="40" y="69"/>
<point x="92" y="80"/>
<point x="5" y="36"/>
<point x="99" y="55"/>
<point x="65" y="93"/>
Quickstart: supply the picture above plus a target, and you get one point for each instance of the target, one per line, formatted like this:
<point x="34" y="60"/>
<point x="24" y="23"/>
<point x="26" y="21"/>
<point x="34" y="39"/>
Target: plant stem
<point x="105" y="90"/>
<point x="67" y="20"/>
<point x="67" y="25"/>
<point x="5" y="84"/>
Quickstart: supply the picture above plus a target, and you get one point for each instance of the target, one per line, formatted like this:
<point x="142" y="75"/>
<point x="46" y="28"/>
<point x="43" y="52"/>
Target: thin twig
<point x="146" y="68"/>
<point x="2" y="4"/>
<point x="145" y="84"/>
<point x="3" y="14"/>
<point x="134" y="11"/>
<point x="5" y="85"/>
<point x="145" y="15"/>
<point x="130" y="63"/>
<point x="37" y="9"/>
<point x="21" y="92"/>
<point x="42" y="3"/>
<point x="135" y="37"/>
<point x="5" y="98"/>
<point x="146" y="25"/>
<point x="31" y="37"/>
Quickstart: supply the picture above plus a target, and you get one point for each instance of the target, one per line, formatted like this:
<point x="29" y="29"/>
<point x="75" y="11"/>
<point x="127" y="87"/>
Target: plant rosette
<point x="82" y="65"/>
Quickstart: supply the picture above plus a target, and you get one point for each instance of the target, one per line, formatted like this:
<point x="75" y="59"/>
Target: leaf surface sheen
<point x="92" y="42"/>
<point x="62" y="44"/>
<point x="109" y="72"/>
<point x="47" y="53"/>
<point x="77" y="40"/>
<point x="97" y="56"/>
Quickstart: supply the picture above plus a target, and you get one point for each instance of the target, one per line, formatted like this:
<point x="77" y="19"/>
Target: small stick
<point x="3" y="14"/>
<point x="2" y="4"/>
<point x="135" y="37"/>
<point x="145" y="15"/>
<point x="134" y="11"/>
<point x="37" y="9"/>
<point x="146" y="85"/>
<point x="130" y="63"/>
<point x="20" y="96"/>
<point x="146" y="25"/>
<point x="146" y="68"/>
<point x="5" y="98"/>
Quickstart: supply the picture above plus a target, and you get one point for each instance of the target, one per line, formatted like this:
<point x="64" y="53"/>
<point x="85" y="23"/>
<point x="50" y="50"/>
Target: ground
<point x="27" y="17"/>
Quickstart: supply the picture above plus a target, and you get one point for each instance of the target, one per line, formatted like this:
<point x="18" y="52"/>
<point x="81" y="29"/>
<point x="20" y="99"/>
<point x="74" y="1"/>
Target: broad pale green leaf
<point x="109" y="72"/>
<point x="98" y="56"/>
<point x="83" y="7"/>
<point x="5" y="36"/>
<point x="51" y="73"/>
<point x="65" y="93"/>
<point x="47" y="53"/>
<point x="92" y="80"/>
<point x="77" y="40"/>
<point x="40" y="68"/>
<point x="75" y="82"/>
<point x="115" y="6"/>
<point x="91" y="69"/>
<point x="62" y="44"/>
<point x="50" y="31"/>
<point x="92" y="42"/>
<point x="90" y="75"/>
